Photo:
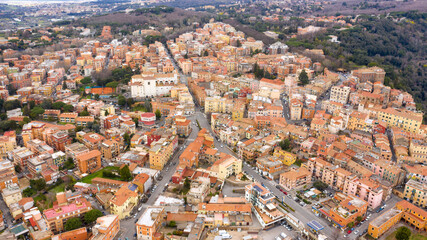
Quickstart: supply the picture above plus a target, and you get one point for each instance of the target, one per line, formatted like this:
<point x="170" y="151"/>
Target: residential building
<point x="68" y="117"/>
<point x="7" y="143"/>
<point x="226" y="166"/>
<point x="263" y="205"/>
<point x="384" y="222"/>
<point x="124" y="200"/>
<point x="75" y="149"/>
<point x="340" y="94"/>
<point x="416" y="193"/>
<point x="89" y="162"/>
<point x="7" y="174"/>
<point x="148" y="224"/>
<point x="161" y="151"/>
<point x="286" y="157"/>
<point x="415" y="216"/>
<point x="270" y="166"/>
<point x="106" y="228"/>
<point x="65" y="209"/>
<point x="295" y="106"/>
<point x="403" y="119"/>
<point x="11" y="194"/>
<point x="295" y="178"/>
<point x="372" y="74"/>
<point x="342" y="210"/>
<point x="110" y="149"/>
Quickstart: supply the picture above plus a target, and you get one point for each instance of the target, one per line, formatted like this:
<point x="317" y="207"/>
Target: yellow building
<point x="11" y="194"/>
<point x="238" y="112"/>
<point x="416" y="193"/>
<point x="413" y="215"/>
<point x="418" y="150"/>
<point x="218" y="104"/>
<point x="384" y="222"/>
<point x="227" y="166"/>
<point x="45" y="90"/>
<point x="106" y="110"/>
<point x="7" y="143"/>
<point x="161" y="151"/>
<point x="406" y="120"/>
<point x="357" y="121"/>
<point x="124" y="200"/>
<point x="286" y="157"/>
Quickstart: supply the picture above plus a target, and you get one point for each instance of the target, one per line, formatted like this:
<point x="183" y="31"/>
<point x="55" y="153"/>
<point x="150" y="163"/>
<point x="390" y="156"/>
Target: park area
<point x="404" y="233"/>
<point x="110" y="172"/>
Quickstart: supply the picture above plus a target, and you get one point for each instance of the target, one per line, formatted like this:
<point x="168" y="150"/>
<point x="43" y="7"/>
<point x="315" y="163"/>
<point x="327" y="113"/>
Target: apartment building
<point x="358" y="121"/>
<point x="7" y="143"/>
<point x="217" y="104"/>
<point x="106" y="228"/>
<point x="295" y="178"/>
<point x="92" y="140"/>
<point x="89" y="162"/>
<point x="270" y="166"/>
<point x="226" y="166"/>
<point x="403" y="119"/>
<point x="413" y="215"/>
<point x="342" y="209"/>
<point x="124" y="200"/>
<point x="416" y="193"/>
<point x="340" y="94"/>
<point x="65" y="209"/>
<point x="152" y="84"/>
<point x="7" y="174"/>
<point x="161" y="151"/>
<point x="226" y="212"/>
<point x="75" y="149"/>
<point x="263" y="205"/>
<point x="110" y="149"/>
<point x="68" y="117"/>
<point x="84" y="121"/>
<point x="20" y="156"/>
<point x="148" y="224"/>
<point x="11" y="194"/>
<point x="418" y="150"/>
<point x="295" y="106"/>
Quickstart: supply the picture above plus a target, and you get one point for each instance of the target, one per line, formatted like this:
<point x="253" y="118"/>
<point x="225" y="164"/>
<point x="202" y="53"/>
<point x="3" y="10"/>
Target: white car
<point x="356" y="232"/>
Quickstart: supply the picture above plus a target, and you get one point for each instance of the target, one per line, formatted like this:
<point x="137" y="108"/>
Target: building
<point x="149" y="85"/>
<point x="110" y="149"/>
<point x="372" y="74"/>
<point x="295" y="178"/>
<point x="418" y="150"/>
<point x="403" y="211"/>
<point x="76" y="234"/>
<point x="7" y="143"/>
<point x="403" y="119"/>
<point x="270" y="166"/>
<point x="106" y="228"/>
<point x="286" y="157"/>
<point x="340" y="94"/>
<point x="75" y="149"/>
<point x="7" y="174"/>
<point x="384" y="222"/>
<point x="263" y="205"/>
<point x="416" y="193"/>
<point x="65" y="209"/>
<point x="68" y="117"/>
<point x="149" y="223"/>
<point x="161" y="151"/>
<point x="124" y="200"/>
<point x="227" y="166"/>
<point x="295" y="106"/>
<point x="342" y="210"/>
<point x="147" y="119"/>
<point x="12" y="194"/>
<point x="89" y="162"/>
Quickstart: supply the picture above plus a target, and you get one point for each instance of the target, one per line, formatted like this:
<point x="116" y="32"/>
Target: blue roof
<point x="132" y="187"/>
<point x="315" y="225"/>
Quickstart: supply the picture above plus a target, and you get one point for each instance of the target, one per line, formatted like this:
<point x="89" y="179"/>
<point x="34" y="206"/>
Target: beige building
<point x="295" y="106"/>
<point x="340" y="94"/>
<point x="295" y="178"/>
<point x="416" y="193"/>
<point x="406" y="120"/>
<point x="227" y="166"/>
<point x="11" y="194"/>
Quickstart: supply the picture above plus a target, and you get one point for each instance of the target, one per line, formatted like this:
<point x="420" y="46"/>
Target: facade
<point x="263" y="205"/>
<point x="295" y="106"/>
<point x="340" y="94"/>
<point x="7" y="174"/>
<point x="403" y="119"/>
<point x="106" y="228"/>
<point x="124" y="200"/>
<point x="384" y="222"/>
<point x="286" y="157"/>
<point x="89" y="162"/>
<point x="295" y="178"/>
<point x="151" y="85"/>
<point x="149" y="223"/>
<point x="227" y="166"/>
<point x="57" y="216"/>
<point x="416" y="193"/>
<point x="7" y="143"/>
<point x="161" y="151"/>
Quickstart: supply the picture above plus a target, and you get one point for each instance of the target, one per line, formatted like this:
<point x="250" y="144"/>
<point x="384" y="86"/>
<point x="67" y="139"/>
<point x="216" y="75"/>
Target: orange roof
<point x="88" y="155"/>
<point x="407" y="205"/>
<point x="181" y="217"/>
<point x="218" y="207"/>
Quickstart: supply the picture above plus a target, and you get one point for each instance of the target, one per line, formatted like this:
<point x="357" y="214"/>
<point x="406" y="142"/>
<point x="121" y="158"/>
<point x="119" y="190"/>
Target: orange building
<point x="89" y="162"/>
<point x="76" y="234"/>
<point x="106" y="228"/>
<point x="149" y="223"/>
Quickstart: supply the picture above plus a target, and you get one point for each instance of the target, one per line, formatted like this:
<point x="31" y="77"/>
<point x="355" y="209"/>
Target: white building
<point x="152" y="84"/>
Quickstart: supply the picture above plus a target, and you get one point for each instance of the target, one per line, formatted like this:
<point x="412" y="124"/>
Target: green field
<point x="414" y="236"/>
<point x="88" y="178"/>
<point x="59" y="188"/>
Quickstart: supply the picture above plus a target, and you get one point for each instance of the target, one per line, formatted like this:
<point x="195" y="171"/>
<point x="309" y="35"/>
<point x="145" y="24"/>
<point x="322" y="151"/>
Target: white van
<point x="283" y="235"/>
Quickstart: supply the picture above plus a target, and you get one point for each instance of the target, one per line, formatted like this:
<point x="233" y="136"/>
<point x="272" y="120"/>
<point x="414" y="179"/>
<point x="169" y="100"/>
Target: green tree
<point x="206" y="53"/>
<point x="92" y="215"/>
<point x="121" y="100"/>
<point x="84" y="113"/>
<point x="126" y="138"/>
<point x="303" y="78"/>
<point x="58" y="105"/>
<point x="350" y="225"/>
<point x="38" y="184"/>
<point x="112" y="84"/>
<point x="172" y="224"/>
<point x="86" y="80"/>
<point x="36" y="111"/>
<point x="238" y="43"/>
<point x="403" y="233"/>
<point x="97" y="96"/>
<point x="68" y="108"/>
<point x="320" y="185"/>
<point x="158" y="114"/>
<point x="125" y="173"/>
<point x="73" y="223"/>
<point x="359" y="218"/>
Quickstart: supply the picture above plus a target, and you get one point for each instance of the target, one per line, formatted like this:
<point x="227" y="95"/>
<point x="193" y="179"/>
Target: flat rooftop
<point x="377" y="222"/>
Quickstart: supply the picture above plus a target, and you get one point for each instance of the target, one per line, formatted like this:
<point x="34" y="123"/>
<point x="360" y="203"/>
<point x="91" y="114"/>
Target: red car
<point x="349" y="231"/>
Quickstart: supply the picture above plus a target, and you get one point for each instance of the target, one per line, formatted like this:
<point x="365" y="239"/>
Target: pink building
<point x="365" y="189"/>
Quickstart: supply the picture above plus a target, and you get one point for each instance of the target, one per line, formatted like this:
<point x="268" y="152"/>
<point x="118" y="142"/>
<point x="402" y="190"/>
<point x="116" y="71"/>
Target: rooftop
<point x="383" y="218"/>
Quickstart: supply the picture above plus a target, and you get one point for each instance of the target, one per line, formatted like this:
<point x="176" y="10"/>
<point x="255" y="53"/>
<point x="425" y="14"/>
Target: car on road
<point x="356" y="232"/>
<point x="349" y="231"/>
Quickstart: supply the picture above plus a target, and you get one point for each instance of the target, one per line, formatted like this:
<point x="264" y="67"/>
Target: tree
<point x="92" y="215"/>
<point x="38" y="184"/>
<point x="36" y="111"/>
<point x="303" y="78"/>
<point x="206" y="53"/>
<point x="68" y="108"/>
<point x="84" y="113"/>
<point x="403" y="233"/>
<point x="172" y="224"/>
<point x="158" y="114"/>
<point x="97" y="96"/>
<point x="58" y="105"/>
<point x="285" y="144"/>
<point x="320" y="185"/>
<point x="359" y="218"/>
<point x="121" y="100"/>
<point x="73" y="223"/>
<point x="125" y="173"/>
<point x="86" y="80"/>
<point x="238" y="43"/>
<point x="350" y="225"/>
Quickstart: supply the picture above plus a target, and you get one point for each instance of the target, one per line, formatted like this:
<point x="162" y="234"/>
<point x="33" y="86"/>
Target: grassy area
<point x="414" y="236"/>
<point x="88" y="178"/>
<point x="59" y="188"/>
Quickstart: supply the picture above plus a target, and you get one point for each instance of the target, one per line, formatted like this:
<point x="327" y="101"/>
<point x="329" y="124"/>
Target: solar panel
<point x="315" y="225"/>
